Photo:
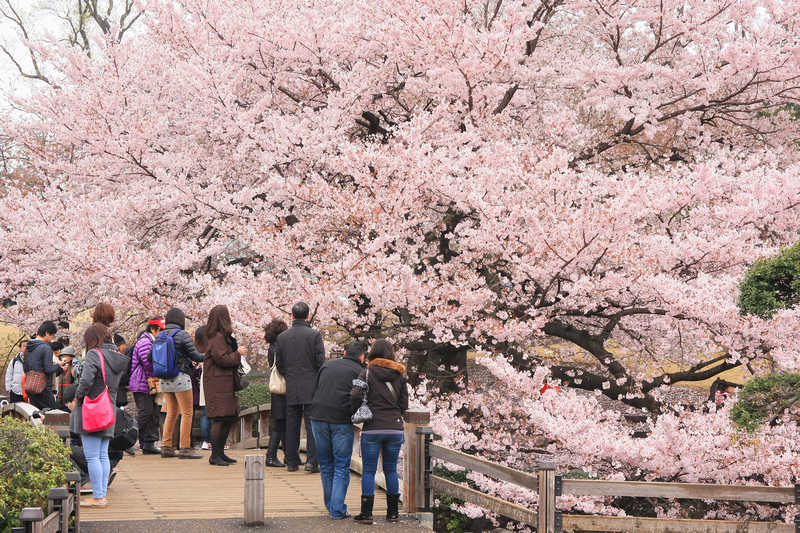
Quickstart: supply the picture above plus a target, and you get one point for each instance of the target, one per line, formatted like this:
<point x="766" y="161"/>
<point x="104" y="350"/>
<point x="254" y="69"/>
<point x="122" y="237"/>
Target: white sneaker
<point x="205" y="446"/>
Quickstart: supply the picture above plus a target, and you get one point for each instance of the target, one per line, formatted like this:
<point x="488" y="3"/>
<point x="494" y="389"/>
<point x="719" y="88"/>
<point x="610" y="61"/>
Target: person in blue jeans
<point x="383" y="385"/>
<point x="333" y="429"/>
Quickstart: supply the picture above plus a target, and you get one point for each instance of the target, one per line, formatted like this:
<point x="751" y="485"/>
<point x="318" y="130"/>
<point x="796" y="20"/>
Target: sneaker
<point x="205" y="446"/>
<point x="111" y="477"/>
<point x="87" y="488"/>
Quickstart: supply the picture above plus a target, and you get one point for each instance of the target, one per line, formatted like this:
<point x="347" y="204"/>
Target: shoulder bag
<point x="35" y="382"/>
<point x="98" y="413"/>
<point x="277" y="383"/>
<point x="363" y="413"/>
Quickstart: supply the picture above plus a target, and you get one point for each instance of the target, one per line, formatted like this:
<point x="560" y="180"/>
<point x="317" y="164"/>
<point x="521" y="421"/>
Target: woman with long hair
<point x="94" y="379"/>
<point x="278" y="411"/>
<point x="178" y="396"/>
<point x="384" y="384"/>
<point x="219" y="374"/>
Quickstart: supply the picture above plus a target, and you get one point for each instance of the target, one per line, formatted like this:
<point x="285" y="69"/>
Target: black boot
<point x="391" y="507"/>
<point x="272" y="451"/>
<point x="366" y="510"/>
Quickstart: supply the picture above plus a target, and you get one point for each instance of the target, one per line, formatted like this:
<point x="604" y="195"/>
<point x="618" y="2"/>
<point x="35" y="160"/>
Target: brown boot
<point x="168" y="451"/>
<point x="188" y="453"/>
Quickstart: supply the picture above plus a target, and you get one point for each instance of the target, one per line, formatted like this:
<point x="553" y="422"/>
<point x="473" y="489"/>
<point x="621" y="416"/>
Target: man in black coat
<point x="333" y="428"/>
<point x="299" y="356"/>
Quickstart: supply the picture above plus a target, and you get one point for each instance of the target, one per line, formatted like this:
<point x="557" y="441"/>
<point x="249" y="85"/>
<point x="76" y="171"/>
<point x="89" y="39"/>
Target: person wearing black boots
<point x="221" y="362"/>
<point x="383" y="384"/>
<point x="278" y="411"/>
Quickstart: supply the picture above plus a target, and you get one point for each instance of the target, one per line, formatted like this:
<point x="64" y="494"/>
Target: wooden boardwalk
<point x="148" y="487"/>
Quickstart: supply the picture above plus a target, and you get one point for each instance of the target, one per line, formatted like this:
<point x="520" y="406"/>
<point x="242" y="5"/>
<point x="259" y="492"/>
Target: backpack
<point x="164" y="356"/>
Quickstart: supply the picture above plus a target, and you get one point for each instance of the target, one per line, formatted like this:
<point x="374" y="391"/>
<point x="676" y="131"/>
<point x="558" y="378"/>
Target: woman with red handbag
<point x="93" y="417"/>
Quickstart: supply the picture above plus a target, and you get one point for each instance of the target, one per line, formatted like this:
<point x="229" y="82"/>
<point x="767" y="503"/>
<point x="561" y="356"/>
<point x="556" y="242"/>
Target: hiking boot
<point x="168" y="451"/>
<point x="188" y="453"/>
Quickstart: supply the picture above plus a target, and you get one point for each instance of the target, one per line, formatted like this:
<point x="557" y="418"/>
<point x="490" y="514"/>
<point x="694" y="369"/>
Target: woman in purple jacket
<point x="141" y="371"/>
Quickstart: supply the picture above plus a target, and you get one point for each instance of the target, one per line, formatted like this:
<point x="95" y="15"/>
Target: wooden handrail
<point x="549" y="491"/>
<point x="497" y="471"/>
<point x="697" y="491"/>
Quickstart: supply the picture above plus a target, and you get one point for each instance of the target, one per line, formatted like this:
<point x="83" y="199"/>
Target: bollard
<point x="254" y="490"/>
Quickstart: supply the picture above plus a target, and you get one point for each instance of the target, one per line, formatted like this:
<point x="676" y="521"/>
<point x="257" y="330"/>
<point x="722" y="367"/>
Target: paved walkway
<point x="175" y="495"/>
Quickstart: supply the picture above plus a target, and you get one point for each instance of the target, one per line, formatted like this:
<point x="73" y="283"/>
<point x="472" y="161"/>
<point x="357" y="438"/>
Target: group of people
<point x="326" y="395"/>
<point x="323" y="394"/>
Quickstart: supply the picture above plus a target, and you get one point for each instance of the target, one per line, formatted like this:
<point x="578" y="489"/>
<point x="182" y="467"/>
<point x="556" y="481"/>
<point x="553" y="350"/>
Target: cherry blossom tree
<point x="592" y="176"/>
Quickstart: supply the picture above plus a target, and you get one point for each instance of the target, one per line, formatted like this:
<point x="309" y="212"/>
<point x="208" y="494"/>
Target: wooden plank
<point x="496" y="505"/>
<point x="501" y="472"/>
<point x="664" y="525"/>
<point x="149" y="487"/>
<point x="52" y="523"/>
<point x="700" y="491"/>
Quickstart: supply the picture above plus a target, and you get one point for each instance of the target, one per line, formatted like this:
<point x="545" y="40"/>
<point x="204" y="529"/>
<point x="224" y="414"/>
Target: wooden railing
<point x="420" y="483"/>
<point x="252" y="429"/>
<point x="63" y="511"/>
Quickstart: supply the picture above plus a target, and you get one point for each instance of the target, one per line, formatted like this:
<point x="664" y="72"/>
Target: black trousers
<point x="148" y="417"/>
<point x="13" y="397"/>
<point x="43" y="400"/>
<point x="291" y="452"/>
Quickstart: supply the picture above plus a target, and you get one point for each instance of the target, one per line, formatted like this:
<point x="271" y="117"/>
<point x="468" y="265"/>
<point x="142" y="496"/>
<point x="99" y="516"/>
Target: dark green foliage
<point x="32" y="461"/>
<point x="771" y="284"/>
<point x="255" y="394"/>
<point x="764" y="399"/>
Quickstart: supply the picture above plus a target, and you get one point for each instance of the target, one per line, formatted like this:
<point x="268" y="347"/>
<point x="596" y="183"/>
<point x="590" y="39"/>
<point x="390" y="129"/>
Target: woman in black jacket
<point x="278" y="411"/>
<point x="384" y="384"/>
<point x="178" y="396"/>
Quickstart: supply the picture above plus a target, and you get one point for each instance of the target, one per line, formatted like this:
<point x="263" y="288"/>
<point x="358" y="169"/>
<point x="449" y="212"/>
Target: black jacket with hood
<point x="40" y="358"/>
<point x="332" y="397"/>
<point x="387" y="407"/>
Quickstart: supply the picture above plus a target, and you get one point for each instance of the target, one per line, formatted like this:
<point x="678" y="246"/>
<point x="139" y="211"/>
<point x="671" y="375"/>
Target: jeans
<point x="334" y="449"/>
<point x="96" y="451"/>
<point x="205" y="427"/>
<point x="291" y="449"/>
<point x="372" y="444"/>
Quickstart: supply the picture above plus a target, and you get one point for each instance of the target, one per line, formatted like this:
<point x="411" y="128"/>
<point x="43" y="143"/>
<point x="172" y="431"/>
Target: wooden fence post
<point x="414" y="461"/>
<point x="74" y="484"/>
<point x="547" y="497"/>
<point x="32" y="517"/>
<point x="59" y="502"/>
<point x="254" y="490"/>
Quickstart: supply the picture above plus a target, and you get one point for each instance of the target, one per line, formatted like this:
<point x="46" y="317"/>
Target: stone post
<point x="254" y="490"/>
